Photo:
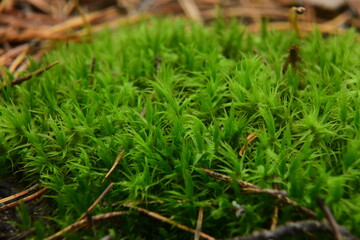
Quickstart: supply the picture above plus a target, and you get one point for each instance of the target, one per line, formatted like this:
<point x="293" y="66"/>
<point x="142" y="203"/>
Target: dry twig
<point x="20" y="194"/>
<point x="92" y="207"/>
<point x="30" y="75"/>
<point x="167" y="220"/>
<point x="251" y="188"/>
<point x="84" y="223"/>
<point x="199" y="223"/>
<point x="117" y="160"/>
<point x="26" y="199"/>
<point x="295" y="228"/>
<point x="330" y="218"/>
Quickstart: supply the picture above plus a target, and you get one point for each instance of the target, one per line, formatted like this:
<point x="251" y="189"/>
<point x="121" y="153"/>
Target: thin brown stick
<point x="263" y="190"/>
<point x="23" y="235"/>
<point x="117" y="160"/>
<point x="199" y="223"/>
<point x="30" y="75"/>
<point x="330" y="218"/>
<point x="20" y="194"/>
<point x="84" y="223"/>
<point x="167" y="220"/>
<point x="228" y="179"/>
<point x="26" y="199"/>
<point x="295" y="228"/>
<point x="92" y="207"/>
<point x="251" y="188"/>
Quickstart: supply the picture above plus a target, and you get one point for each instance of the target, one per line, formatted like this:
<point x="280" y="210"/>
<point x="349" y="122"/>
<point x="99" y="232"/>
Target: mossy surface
<point x="205" y="91"/>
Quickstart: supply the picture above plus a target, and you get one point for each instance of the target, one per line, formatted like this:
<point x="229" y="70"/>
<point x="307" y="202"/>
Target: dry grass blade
<point x="330" y="218"/>
<point x="339" y="20"/>
<point x="26" y="199"/>
<point x="7" y="57"/>
<point x="78" y="21"/>
<point x="20" y="194"/>
<point x="167" y="220"/>
<point x="191" y="10"/>
<point x="251" y="137"/>
<point x="199" y="223"/>
<point x="248" y="12"/>
<point x="84" y="223"/>
<point x="82" y="15"/>
<point x="251" y="188"/>
<point x="19" y="59"/>
<point x="283" y="26"/>
<point x="30" y="75"/>
<point x="117" y="160"/>
<point x="92" y="207"/>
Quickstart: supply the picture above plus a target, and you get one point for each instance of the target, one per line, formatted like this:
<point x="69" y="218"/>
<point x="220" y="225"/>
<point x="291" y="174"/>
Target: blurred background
<point x="32" y="27"/>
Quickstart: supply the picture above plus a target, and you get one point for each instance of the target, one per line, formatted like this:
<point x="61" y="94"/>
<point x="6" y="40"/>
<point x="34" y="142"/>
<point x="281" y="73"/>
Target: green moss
<point x="211" y="92"/>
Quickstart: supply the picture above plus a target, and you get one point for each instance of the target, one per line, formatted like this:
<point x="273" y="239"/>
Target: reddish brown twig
<point x="330" y="218"/>
<point x="251" y="188"/>
<point x="20" y="194"/>
<point x="92" y="207"/>
<point x="26" y="199"/>
<point x="30" y="75"/>
<point x="199" y="223"/>
<point x="250" y="139"/>
<point x="167" y="220"/>
<point x="84" y="223"/>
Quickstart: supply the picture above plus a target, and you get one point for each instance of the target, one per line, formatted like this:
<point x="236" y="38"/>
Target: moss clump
<point x="204" y="91"/>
